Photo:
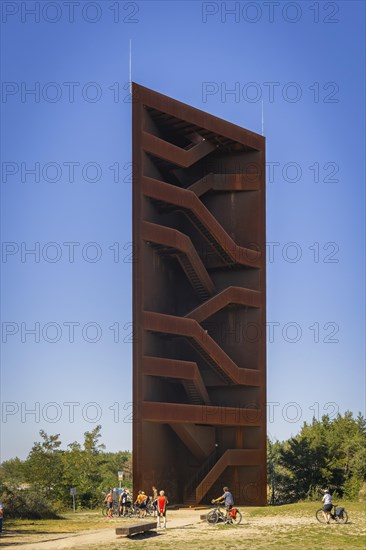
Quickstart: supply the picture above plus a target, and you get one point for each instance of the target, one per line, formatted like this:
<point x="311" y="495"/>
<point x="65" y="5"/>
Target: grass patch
<point x="287" y="527"/>
<point x="67" y="523"/>
<point x="300" y="509"/>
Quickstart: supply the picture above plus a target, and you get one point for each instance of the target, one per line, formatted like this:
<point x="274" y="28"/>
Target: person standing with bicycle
<point x="228" y="500"/>
<point x="327" y="505"/>
<point x="109" y="500"/>
<point x="141" y="503"/>
<point x="155" y="499"/>
<point x="123" y="502"/>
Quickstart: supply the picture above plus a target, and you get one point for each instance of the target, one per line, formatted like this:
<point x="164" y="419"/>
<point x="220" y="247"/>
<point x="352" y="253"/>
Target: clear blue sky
<point x="305" y="60"/>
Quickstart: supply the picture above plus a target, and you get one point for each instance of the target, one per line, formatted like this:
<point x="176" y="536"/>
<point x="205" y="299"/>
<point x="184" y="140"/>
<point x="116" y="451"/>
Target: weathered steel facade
<point x="199" y="305"/>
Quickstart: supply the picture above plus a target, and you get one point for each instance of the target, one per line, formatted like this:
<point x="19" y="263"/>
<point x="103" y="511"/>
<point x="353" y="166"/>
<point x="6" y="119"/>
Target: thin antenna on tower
<point x="262" y="119"/>
<point x="130" y="67"/>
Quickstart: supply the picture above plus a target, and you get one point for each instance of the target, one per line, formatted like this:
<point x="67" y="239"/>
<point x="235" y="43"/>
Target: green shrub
<point x="352" y="488"/>
<point x="26" y="504"/>
<point x="362" y="493"/>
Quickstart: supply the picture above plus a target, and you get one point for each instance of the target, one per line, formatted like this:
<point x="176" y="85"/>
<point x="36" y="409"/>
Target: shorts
<point x="110" y="504"/>
<point x="327" y="507"/>
<point x="162" y="512"/>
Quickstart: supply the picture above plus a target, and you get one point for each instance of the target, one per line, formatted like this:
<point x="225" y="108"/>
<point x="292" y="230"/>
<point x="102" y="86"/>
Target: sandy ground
<point x="183" y="528"/>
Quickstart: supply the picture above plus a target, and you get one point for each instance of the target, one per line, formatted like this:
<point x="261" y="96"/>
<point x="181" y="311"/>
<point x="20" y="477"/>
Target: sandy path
<point x="184" y="529"/>
<point x="176" y="520"/>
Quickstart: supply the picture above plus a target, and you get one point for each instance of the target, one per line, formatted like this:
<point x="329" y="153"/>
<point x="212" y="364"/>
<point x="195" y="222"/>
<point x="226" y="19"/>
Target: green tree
<point x="113" y="463"/>
<point x="327" y="453"/>
<point x="306" y="462"/>
<point x="12" y="473"/>
<point x="44" y="466"/>
<point x="83" y="469"/>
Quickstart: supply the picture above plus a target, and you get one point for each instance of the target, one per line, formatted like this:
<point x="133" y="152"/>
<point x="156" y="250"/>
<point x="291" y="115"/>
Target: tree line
<point x="324" y="454"/>
<point x="40" y="485"/>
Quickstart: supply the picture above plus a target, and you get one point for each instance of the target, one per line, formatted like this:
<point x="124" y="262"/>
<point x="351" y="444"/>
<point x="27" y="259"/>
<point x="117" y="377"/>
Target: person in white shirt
<point x="327" y="505"/>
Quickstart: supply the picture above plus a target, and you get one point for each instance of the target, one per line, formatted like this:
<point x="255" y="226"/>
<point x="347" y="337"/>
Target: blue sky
<point x="305" y="61"/>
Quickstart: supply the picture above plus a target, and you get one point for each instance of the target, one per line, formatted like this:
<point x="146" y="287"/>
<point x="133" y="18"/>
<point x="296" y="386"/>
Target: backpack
<point x="232" y="513"/>
<point x="339" y="512"/>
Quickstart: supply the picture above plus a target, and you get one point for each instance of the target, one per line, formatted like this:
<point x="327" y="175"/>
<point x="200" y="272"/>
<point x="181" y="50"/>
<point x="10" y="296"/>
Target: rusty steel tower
<point x="199" y="303"/>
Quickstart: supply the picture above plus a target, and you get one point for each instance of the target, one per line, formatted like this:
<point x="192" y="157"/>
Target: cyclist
<point x="109" y="500"/>
<point x="154" y="498"/>
<point x="228" y="500"/>
<point x="141" y="503"/>
<point x="123" y="502"/>
<point x="327" y="505"/>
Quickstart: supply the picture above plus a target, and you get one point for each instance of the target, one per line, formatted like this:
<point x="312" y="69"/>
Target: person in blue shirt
<point x="1" y="518"/>
<point x="228" y="500"/>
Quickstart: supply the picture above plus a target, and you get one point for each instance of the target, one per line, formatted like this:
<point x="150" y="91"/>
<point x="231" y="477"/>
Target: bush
<point x="362" y="493"/>
<point x="314" y="494"/>
<point x="352" y="487"/>
<point x="26" y="504"/>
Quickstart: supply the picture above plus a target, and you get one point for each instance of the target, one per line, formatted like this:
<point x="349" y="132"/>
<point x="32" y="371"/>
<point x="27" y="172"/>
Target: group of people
<point x="124" y="502"/>
<point x="158" y="500"/>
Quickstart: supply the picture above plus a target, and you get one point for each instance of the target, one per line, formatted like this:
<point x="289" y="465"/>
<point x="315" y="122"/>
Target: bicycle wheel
<point x="212" y="517"/>
<point x="343" y="518"/>
<point x="237" y="519"/>
<point x="136" y="511"/>
<point x="116" y="510"/>
<point x="319" y="516"/>
<point x="104" y="510"/>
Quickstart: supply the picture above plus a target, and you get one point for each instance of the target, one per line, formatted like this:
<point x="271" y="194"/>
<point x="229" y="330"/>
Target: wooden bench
<point x="136" y="528"/>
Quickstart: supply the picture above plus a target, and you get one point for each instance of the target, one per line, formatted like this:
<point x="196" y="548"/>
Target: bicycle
<point x="339" y="515"/>
<point x="134" y="510"/>
<point x="150" y="508"/>
<point x="115" y="509"/>
<point x="218" y="513"/>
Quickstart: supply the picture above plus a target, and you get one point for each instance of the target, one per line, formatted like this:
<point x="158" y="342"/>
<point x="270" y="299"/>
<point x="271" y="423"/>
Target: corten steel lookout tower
<point x="199" y="353"/>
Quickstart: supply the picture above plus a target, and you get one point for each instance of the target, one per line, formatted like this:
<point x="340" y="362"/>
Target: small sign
<point x="120" y="476"/>
<point x="73" y="491"/>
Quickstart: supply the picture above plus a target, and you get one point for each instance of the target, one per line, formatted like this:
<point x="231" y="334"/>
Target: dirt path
<point x="186" y="530"/>
<point x="60" y="541"/>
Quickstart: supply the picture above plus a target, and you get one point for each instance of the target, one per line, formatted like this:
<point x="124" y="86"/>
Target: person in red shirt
<point x="161" y="505"/>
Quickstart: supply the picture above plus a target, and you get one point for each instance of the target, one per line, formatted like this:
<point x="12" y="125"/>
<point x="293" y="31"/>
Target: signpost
<point x="73" y="493"/>
<point x="120" y="475"/>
